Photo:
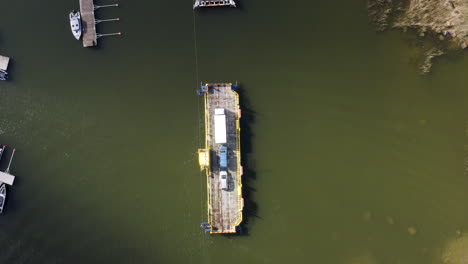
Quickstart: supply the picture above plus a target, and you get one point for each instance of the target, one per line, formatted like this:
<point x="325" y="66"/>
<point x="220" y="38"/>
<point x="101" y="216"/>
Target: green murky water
<point x="347" y="149"/>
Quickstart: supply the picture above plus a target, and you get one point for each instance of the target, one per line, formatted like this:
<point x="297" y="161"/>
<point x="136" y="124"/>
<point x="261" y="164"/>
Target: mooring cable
<point x="199" y="115"/>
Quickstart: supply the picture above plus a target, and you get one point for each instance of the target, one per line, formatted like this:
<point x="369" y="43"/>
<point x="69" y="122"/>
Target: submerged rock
<point x="379" y="13"/>
<point x="365" y="258"/>
<point x="412" y="230"/>
<point x="455" y="251"/>
<point x="367" y="216"/>
<point x="390" y="220"/>
<point x="426" y="66"/>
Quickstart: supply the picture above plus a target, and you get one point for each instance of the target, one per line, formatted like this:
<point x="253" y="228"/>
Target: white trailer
<point x="220" y="126"/>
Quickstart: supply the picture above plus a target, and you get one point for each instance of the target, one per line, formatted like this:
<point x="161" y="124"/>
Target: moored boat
<point x="4" y="61"/>
<point x="75" y="23"/>
<point x="2" y="196"/>
<point x="1" y="151"/>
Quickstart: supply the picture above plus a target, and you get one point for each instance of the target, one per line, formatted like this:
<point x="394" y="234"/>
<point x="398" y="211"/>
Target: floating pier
<point x="208" y="3"/>
<point x="221" y="157"/>
<point x="88" y="22"/>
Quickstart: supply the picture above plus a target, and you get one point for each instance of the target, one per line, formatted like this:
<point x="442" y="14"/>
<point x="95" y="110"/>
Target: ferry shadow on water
<point x="247" y="121"/>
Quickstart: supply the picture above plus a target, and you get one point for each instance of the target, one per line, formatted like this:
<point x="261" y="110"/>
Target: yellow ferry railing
<point x="239" y="165"/>
<point x="207" y="146"/>
<point x="238" y="150"/>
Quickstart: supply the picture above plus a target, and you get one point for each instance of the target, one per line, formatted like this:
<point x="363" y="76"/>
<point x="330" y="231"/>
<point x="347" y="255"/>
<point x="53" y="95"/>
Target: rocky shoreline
<point x="443" y="20"/>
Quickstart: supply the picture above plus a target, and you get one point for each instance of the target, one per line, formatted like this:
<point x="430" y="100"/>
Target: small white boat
<point x="1" y="151"/>
<point x="4" y="61"/>
<point x="75" y="23"/>
<point x="2" y="196"/>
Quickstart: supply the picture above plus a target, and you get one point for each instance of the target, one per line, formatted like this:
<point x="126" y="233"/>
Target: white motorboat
<point x="75" y="23"/>
<point x="5" y="178"/>
<point x="1" y="151"/>
<point x="2" y="196"/>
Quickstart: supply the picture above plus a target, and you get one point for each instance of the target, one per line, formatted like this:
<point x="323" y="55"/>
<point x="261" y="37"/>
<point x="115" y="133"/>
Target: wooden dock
<point x="88" y="23"/>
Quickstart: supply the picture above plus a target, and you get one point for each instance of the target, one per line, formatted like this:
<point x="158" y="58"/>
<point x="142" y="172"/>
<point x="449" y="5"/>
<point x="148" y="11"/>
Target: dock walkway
<point x="88" y="23"/>
<point x="224" y="206"/>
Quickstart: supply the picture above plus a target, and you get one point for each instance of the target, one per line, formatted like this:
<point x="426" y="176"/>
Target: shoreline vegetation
<point x="441" y="22"/>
